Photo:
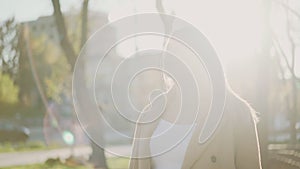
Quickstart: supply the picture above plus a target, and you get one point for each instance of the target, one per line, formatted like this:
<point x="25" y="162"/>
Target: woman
<point x="234" y="144"/>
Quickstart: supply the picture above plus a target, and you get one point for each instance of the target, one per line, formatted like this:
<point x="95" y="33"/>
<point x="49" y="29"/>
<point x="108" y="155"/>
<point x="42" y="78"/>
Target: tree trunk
<point x="294" y="111"/>
<point x="98" y="156"/>
<point x="63" y="35"/>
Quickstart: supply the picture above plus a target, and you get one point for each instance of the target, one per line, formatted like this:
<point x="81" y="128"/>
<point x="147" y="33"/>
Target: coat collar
<point x="195" y="150"/>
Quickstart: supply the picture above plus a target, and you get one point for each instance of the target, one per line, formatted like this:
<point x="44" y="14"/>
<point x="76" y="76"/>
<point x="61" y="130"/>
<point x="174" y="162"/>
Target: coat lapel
<point x="195" y="150"/>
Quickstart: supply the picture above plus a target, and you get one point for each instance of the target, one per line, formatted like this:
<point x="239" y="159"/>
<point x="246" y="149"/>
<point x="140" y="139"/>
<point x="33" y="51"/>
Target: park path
<point x="35" y="157"/>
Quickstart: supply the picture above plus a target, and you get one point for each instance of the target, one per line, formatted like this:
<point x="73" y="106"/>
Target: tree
<point x="9" y="56"/>
<point x="71" y="55"/>
<point x="287" y="61"/>
<point x="8" y="90"/>
<point x="8" y="94"/>
<point x="8" y="47"/>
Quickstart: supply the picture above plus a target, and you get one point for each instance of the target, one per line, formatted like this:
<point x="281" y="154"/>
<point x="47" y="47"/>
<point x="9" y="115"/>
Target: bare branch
<point x="84" y="21"/>
<point x="160" y="9"/>
<point x="159" y="6"/>
<point x="291" y="66"/>
<point x="287" y="7"/>
<point x="279" y="65"/>
<point x="281" y="52"/>
<point x="63" y="34"/>
<point x="290" y="38"/>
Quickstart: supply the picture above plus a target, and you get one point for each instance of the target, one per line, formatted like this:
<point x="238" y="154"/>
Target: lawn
<point x="113" y="163"/>
<point x="47" y="166"/>
<point x="28" y="146"/>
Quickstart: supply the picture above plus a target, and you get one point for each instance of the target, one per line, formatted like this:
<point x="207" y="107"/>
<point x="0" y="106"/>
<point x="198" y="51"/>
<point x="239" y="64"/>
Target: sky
<point x="217" y="19"/>
<point x="27" y="10"/>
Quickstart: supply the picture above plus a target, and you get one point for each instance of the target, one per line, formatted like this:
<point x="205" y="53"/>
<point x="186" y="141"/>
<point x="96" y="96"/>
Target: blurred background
<point x="258" y="42"/>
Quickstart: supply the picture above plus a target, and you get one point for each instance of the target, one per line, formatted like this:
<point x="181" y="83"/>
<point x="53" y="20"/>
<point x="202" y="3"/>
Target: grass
<point x="20" y="147"/>
<point x="113" y="163"/>
<point x="117" y="163"/>
<point x="47" y="166"/>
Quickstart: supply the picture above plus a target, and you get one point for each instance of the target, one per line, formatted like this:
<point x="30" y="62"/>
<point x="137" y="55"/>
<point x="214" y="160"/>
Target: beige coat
<point x="234" y="145"/>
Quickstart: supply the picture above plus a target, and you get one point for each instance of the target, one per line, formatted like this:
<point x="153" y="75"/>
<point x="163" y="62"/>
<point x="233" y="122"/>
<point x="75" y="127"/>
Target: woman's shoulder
<point x="240" y="109"/>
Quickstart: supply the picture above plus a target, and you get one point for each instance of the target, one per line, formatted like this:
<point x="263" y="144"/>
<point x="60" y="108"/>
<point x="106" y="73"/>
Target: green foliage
<point x="48" y="166"/>
<point x="51" y="67"/>
<point x="57" y="83"/>
<point x="117" y="163"/>
<point x="9" y="47"/>
<point x="28" y="146"/>
<point x="8" y="91"/>
<point x="113" y="163"/>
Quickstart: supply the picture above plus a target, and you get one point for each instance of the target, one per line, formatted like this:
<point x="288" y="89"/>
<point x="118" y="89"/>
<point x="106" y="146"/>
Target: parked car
<point x="12" y="132"/>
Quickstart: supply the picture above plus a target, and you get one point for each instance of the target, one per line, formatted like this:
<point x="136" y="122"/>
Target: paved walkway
<point x="34" y="157"/>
